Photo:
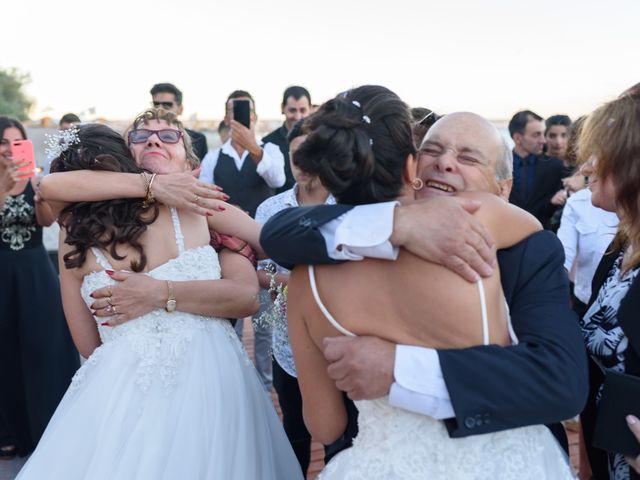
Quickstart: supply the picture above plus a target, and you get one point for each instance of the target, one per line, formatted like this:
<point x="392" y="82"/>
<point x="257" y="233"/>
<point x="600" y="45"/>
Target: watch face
<point x="171" y="305"/>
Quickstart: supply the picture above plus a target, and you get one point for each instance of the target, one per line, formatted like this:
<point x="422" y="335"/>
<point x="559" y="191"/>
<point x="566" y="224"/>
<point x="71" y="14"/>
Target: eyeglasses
<point x="428" y="119"/>
<point x="167" y="105"/>
<point x="167" y="135"/>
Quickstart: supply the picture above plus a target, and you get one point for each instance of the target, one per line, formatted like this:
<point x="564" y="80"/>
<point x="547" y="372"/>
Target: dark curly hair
<point x="108" y="223"/>
<point x="358" y="144"/>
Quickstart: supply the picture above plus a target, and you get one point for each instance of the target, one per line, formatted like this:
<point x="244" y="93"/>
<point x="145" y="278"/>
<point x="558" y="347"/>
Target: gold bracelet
<point x="149" y="198"/>
<point x="145" y="178"/>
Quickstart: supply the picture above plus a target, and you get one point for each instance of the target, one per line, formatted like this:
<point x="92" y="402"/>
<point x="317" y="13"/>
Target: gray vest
<point x="246" y="188"/>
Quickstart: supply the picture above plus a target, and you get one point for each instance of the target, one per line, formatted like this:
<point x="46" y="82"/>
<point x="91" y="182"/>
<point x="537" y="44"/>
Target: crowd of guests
<point x="578" y="179"/>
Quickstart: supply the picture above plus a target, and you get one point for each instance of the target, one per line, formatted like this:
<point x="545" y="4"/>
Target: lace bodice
<point x="393" y="443"/>
<point x="158" y="337"/>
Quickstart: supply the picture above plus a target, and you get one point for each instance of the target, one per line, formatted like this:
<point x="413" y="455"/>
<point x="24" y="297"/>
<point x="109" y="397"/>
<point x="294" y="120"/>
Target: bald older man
<point x="542" y="379"/>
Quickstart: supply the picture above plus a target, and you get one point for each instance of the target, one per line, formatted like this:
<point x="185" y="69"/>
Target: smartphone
<point x="22" y="151"/>
<point x="242" y="112"/>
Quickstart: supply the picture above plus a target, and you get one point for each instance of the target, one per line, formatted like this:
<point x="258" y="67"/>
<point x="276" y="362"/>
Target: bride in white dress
<point x="166" y="395"/>
<point x="360" y="145"/>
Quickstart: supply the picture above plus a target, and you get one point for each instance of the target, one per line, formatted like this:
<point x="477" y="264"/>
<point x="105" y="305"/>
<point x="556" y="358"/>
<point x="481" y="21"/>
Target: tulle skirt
<point x="125" y="417"/>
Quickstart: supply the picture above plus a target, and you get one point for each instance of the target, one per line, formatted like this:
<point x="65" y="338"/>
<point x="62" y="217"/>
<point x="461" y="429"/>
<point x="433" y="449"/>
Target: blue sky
<point x="493" y="57"/>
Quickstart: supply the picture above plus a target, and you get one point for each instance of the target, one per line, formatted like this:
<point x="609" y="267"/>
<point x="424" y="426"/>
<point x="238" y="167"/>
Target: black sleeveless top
<point x="18" y="226"/>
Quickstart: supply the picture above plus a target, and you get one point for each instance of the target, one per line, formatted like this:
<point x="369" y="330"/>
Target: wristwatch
<point x="171" y="300"/>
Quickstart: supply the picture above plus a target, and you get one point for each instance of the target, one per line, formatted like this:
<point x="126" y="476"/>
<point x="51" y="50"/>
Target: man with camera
<point x="248" y="171"/>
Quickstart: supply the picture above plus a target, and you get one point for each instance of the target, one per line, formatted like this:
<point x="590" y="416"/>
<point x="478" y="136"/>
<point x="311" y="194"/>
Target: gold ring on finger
<point x="196" y="198"/>
<point x="115" y="312"/>
<point x="110" y="301"/>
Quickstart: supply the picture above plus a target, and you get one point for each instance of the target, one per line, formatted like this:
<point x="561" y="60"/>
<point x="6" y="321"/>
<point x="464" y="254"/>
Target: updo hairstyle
<point x="358" y="144"/>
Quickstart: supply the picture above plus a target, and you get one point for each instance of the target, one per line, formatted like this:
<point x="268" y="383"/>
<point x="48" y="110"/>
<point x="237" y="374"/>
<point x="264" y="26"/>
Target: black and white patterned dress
<point x="37" y="354"/>
<point x="605" y="340"/>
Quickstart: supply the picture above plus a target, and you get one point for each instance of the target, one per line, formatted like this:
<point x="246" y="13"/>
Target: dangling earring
<point x="417" y="184"/>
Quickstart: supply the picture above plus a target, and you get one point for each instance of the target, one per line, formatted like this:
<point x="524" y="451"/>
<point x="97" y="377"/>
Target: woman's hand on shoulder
<point x="185" y="191"/>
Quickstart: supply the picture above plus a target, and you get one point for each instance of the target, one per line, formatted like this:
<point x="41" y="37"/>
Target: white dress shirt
<point x="270" y="168"/>
<point x="585" y="233"/>
<point x="364" y="231"/>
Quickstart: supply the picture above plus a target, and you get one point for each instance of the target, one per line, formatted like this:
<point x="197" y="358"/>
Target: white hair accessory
<point x="58" y="143"/>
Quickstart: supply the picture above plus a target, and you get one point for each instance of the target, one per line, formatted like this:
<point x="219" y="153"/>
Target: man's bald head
<point x="465" y="152"/>
<point x="484" y="134"/>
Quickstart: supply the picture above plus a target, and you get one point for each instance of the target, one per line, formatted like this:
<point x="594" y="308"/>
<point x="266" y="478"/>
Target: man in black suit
<point x="296" y="105"/>
<point x="542" y="379"/>
<point x="536" y="176"/>
<point x="169" y="97"/>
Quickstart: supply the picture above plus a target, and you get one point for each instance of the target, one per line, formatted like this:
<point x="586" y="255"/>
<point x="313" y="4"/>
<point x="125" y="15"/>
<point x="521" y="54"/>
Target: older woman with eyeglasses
<point x="159" y="144"/>
<point x="172" y="393"/>
<point x="610" y="141"/>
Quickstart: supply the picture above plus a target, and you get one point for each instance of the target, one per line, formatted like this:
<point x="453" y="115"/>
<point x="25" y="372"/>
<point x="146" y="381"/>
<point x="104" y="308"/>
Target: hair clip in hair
<point x="366" y="119"/>
<point x="59" y="142"/>
<point x="371" y="142"/>
<point x="356" y="103"/>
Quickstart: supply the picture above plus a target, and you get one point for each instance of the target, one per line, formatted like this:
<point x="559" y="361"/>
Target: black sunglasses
<point x="167" y="135"/>
<point x="167" y="105"/>
<point x="428" y="119"/>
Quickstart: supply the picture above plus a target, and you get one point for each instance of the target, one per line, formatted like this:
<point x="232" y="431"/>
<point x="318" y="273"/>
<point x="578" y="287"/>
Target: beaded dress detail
<point x="166" y="396"/>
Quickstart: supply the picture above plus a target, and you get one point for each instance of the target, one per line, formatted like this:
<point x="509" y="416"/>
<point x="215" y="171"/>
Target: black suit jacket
<point x="628" y="321"/>
<point x="543" y="379"/>
<point x="199" y="142"/>
<point x="546" y="182"/>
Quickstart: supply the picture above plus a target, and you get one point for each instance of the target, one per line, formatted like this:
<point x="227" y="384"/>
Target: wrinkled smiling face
<point x="458" y="154"/>
<point x="157" y="156"/>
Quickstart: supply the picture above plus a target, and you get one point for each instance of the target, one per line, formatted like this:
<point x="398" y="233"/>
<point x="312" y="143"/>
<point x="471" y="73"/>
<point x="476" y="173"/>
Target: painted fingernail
<point x="109" y="272"/>
<point x="226" y="197"/>
<point x="93" y="312"/>
<point x="221" y="208"/>
<point x="218" y="188"/>
<point x="105" y="324"/>
<point x="91" y="295"/>
<point x="209" y="214"/>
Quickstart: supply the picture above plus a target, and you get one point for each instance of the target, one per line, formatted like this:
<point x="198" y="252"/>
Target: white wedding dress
<point x="395" y="444"/>
<point x="166" y="396"/>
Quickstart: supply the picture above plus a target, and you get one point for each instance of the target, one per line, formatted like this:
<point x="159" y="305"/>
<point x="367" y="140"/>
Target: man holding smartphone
<point x="249" y="171"/>
<point x="246" y="169"/>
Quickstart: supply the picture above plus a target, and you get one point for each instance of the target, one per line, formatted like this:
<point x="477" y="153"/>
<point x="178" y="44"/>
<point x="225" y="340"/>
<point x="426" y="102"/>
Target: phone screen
<point x="22" y="151"/>
<point x="242" y="112"/>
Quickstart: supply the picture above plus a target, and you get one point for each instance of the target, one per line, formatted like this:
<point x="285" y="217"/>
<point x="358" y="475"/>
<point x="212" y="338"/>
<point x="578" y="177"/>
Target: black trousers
<point x="291" y="405"/>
